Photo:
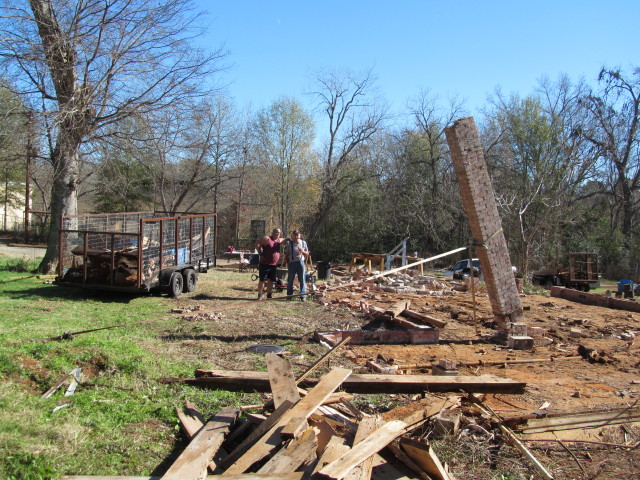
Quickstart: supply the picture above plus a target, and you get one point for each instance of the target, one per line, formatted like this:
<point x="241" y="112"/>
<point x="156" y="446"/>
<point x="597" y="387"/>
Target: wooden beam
<point x="193" y="461"/>
<point x="434" y="322"/>
<point x="364" y="383"/>
<point x="397" y="308"/>
<point x="304" y="408"/>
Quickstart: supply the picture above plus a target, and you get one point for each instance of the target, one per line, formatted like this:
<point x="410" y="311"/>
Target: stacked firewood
<point x="98" y="266"/>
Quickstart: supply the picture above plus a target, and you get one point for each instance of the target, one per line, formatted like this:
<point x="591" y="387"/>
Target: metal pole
<point x="27" y="195"/>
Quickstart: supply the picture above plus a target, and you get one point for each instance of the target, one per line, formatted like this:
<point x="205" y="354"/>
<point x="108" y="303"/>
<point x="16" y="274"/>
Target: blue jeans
<point x="296" y="268"/>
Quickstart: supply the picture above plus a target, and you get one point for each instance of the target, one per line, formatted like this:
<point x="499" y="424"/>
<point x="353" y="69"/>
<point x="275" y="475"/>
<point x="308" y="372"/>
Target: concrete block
<point x="438" y="370"/>
<point x="519" y="329"/>
<point x="448" y="364"/>
<point x="535" y="332"/>
<point x="448" y="425"/>
<point x="520" y="342"/>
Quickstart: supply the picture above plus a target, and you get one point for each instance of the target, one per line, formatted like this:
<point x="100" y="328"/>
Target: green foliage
<point x="124" y="185"/>
<point x="25" y="466"/>
<point x="20" y="265"/>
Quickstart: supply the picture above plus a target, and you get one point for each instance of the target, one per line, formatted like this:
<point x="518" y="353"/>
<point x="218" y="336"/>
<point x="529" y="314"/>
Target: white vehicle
<point x="461" y="268"/>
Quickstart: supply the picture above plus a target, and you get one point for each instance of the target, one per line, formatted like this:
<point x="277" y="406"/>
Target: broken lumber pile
<point x="301" y="438"/>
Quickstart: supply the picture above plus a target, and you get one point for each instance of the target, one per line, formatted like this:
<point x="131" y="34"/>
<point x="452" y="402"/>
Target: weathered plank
<point x="366" y="426"/>
<point x="193" y="461"/>
<point x="305" y="407"/>
<point x="191" y="420"/>
<point x="375" y="442"/>
<point x="581" y="420"/>
<point x="334" y="449"/>
<point x="365" y="383"/>
<point x="424" y="456"/>
<point x="288" y="459"/>
<point x="260" y="430"/>
<point x="281" y="379"/>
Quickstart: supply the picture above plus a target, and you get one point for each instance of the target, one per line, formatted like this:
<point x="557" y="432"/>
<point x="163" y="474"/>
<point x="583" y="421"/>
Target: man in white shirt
<point x="295" y="253"/>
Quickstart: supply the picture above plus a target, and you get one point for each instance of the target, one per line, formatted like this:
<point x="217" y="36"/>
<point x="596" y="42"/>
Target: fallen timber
<point x="357" y="383"/>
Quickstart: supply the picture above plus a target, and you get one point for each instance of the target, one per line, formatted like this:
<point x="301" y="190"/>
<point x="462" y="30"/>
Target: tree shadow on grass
<point x="73" y="294"/>
<point x="259" y="338"/>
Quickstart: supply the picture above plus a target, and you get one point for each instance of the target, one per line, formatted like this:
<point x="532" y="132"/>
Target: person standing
<point x="269" y="249"/>
<point x="295" y="252"/>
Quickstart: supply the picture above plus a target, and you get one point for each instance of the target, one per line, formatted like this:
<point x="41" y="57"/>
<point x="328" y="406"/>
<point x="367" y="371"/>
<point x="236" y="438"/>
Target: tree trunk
<point x="64" y="200"/>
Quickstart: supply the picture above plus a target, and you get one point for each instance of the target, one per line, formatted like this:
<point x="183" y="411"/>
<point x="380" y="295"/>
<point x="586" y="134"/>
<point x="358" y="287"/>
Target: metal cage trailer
<point x="136" y="252"/>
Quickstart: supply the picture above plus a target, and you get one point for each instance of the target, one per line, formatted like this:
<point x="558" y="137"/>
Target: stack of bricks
<point x="486" y="227"/>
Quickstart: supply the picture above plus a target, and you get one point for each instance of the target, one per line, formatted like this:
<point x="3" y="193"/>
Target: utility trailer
<point x="136" y="252"/>
<point x="582" y="273"/>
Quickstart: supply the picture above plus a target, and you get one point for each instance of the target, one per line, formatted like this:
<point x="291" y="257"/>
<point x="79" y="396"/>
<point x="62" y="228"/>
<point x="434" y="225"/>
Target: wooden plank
<point x="288" y="459"/>
<point x="579" y="421"/>
<point x="406" y="460"/>
<point x="260" y="430"/>
<point x="424" y="456"/>
<point x="367" y="383"/>
<point x="365" y="428"/>
<point x="193" y="461"/>
<point x="245" y="476"/>
<point x="191" y="420"/>
<point x="434" y="322"/>
<point x="304" y="408"/>
<point x="281" y="379"/>
<point x="295" y="427"/>
<point x="375" y="442"/>
<point x="335" y="448"/>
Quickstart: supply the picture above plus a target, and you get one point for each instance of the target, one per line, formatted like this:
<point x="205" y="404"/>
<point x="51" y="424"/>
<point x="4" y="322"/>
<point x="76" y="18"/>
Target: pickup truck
<point x="461" y="269"/>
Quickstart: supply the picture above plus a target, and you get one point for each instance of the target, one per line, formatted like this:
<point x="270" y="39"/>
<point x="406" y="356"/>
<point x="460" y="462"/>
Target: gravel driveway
<point x="9" y="249"/>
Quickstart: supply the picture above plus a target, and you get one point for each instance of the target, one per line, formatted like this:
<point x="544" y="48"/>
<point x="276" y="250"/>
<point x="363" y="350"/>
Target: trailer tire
<point x="175" y="285"/>
<point x="190" y="278"/>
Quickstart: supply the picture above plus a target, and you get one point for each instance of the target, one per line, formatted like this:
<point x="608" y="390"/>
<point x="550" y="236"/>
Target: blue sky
<point x="465" y="48"/>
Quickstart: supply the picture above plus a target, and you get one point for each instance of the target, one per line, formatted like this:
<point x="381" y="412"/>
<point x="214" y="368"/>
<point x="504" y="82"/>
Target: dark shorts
<point x="267" y="272"/>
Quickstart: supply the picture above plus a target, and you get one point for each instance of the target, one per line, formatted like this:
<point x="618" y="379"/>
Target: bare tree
<point x="354" y="115"/>
<point x="94" y="63"/>
<point x="614" y="130"/>
<point x="538" y="164"/>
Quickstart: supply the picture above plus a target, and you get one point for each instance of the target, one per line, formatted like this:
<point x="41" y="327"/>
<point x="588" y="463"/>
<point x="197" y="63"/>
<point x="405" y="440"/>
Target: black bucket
<point x="324" y="270"/>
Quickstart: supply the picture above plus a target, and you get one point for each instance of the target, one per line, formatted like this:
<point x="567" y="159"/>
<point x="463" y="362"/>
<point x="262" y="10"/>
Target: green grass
<point x="120" y="421"/>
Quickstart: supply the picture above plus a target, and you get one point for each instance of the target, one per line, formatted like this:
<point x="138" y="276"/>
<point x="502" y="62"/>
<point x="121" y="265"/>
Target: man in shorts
<point x="269" y="249"/>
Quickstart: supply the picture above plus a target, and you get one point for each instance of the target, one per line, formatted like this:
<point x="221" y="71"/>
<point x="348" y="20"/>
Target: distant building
<point x="12" y="203"/>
